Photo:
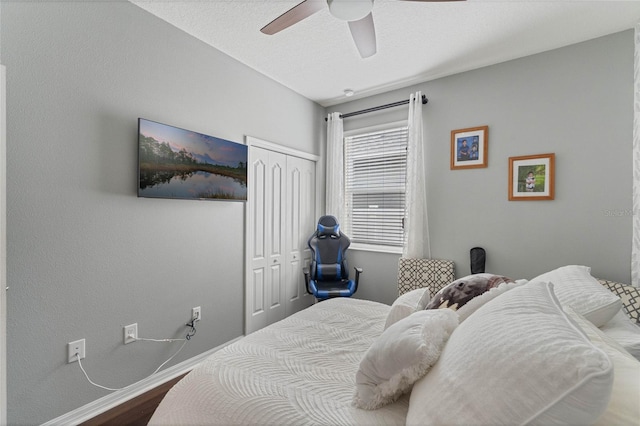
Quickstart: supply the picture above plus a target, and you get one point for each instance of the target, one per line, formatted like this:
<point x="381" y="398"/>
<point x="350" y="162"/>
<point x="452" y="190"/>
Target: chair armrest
<point x="307" y="278"/>
<point x="358" y="272"/>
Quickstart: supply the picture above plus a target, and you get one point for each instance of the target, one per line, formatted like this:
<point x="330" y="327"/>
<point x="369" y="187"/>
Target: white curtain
<point x="335" y="167"/>
<point x="635" y="249"/>
<point x="416" y="224"/>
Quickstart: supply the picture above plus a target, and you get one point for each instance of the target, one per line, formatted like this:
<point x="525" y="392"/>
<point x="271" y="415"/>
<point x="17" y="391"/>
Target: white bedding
<point x="279" y="376"/>
<point x="624" y="332"/>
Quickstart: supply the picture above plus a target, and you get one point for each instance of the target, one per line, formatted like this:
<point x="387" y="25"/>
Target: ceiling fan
<point x="356" y="12"/>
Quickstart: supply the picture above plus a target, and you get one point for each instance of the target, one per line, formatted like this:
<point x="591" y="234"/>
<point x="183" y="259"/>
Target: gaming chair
<point x="328" y="274"/>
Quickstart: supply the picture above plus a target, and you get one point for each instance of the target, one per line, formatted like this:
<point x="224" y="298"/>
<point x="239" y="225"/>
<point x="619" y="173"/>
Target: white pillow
<point x="624" y="332"/>
<point x="401" y="355"/>
<point x="575" y="287"/>
<point x="624" y="405"/>
<point x="474" y="304"/>
<point x="517" y="360"/>
<point x="405" y="305"/>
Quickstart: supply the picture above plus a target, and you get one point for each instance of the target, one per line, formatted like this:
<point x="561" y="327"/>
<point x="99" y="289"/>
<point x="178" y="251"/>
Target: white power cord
<point x="190" y="334"/>
<point x="91" y="381"/>
<point x="142" y="339"/>
<point x="173" y="356"/>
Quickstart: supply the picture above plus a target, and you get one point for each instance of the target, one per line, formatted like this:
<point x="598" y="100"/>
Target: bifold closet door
<point x="267" y="197"/>
<point x="281" y="218"/>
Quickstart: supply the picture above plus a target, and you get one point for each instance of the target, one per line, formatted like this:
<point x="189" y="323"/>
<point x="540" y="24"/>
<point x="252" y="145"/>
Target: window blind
<point x="375" y="182"/>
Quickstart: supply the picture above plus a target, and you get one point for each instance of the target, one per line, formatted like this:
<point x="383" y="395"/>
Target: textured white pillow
<point x="625" y="332"/>
<point x="575" y="287"/>
<point x="624" y="405"/>
<point x="517" y="360"/>
<point x="405" y="305"/>
<point x="401" y="355"/>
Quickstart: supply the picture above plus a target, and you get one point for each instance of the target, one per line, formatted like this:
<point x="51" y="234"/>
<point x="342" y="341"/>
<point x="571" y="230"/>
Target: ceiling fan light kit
<point x="350" y="10"/>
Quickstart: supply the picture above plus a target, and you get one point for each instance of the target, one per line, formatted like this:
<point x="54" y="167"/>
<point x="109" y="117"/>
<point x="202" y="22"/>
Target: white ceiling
<point x="416" y="41"/>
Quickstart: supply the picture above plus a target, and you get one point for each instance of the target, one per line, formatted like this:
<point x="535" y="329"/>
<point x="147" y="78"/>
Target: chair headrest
<point x="328" y="226"/>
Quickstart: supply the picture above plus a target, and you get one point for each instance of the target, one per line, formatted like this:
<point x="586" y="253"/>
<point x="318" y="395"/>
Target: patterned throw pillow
<point x="458" y="293"/>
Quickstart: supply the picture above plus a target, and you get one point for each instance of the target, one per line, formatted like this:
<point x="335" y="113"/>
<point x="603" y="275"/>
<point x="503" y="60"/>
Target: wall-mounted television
<point x="179" y="163"/>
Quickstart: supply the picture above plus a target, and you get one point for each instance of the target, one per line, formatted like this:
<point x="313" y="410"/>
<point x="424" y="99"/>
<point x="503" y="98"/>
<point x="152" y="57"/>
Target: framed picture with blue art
<point x="532" y="177"/>
<point x="469" y="148"/>
<point x="183" y="164"/>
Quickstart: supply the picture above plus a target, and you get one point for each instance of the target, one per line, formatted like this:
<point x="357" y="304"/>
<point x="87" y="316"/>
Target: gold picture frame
<point x="469" y="148"/>
<point x="532" y="177"/>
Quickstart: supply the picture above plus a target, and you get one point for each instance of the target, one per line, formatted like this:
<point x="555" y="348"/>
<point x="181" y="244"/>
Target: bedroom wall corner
<point x="85" y="255"/>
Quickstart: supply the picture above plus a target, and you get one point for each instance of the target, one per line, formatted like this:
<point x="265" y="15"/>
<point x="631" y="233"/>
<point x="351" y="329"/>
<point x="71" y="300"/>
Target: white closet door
<point x="300" y="224"/>
<point x="281" y="215"/>
<point x="266" y="275"/>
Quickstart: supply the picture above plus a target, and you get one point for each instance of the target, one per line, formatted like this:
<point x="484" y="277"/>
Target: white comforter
<point x="299" y="371"/>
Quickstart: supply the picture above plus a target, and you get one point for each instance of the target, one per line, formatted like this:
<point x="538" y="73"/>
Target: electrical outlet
<point x="196" y="315"/>
<point x="74" y="348"/>
<point x="130" y="333"/>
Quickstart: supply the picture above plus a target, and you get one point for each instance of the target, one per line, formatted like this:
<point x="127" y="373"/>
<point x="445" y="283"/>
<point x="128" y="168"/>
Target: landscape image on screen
<point x="179" y="163"/>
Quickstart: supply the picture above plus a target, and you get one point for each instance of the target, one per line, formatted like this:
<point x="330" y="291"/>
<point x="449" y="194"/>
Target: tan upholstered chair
<point x="420" y="273"/>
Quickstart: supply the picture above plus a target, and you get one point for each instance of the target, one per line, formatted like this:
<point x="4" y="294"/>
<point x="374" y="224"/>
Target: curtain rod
<point x="378" y="108"/>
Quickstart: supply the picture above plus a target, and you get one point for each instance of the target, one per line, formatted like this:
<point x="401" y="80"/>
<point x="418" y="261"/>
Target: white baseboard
<point x="99" y="406"/>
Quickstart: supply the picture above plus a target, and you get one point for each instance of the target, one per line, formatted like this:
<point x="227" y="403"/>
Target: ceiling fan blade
<point x="364" y="35"/>
<point x="292" y="16"/>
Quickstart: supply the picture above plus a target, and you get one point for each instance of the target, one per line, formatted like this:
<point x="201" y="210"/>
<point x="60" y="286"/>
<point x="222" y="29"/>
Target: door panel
<point x="258" y="220"/>
<point x="300" y="221"/>
<point x="258" y="182"/>
<point x="275" y="193"/>
<point x="258" y="291"/>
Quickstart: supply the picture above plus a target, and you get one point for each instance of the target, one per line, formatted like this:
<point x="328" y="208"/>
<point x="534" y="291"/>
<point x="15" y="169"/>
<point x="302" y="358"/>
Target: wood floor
<point x="135" y="412"/>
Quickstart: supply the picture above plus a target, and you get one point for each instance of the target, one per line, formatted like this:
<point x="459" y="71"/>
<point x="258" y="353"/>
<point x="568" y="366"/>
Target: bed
<point x="515" y="354"/>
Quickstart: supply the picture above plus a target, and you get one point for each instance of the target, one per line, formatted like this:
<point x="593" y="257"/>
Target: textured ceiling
<point x="416" y="41"/>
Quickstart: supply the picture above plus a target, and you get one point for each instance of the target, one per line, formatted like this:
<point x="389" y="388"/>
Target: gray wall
<point x="85" y="255"/>
<point x="576" y="102"/>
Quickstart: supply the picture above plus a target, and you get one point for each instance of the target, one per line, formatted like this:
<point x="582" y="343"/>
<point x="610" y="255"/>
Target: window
<point x="376" y="164"/>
